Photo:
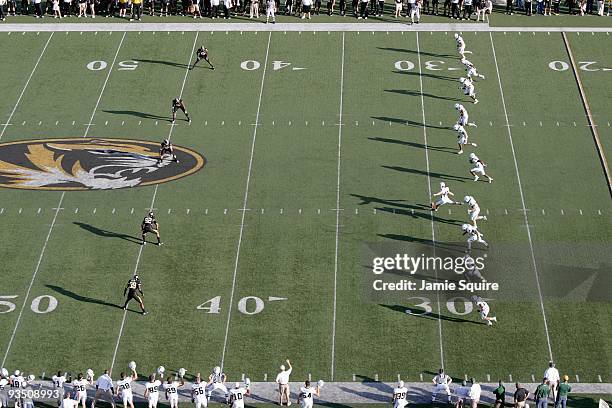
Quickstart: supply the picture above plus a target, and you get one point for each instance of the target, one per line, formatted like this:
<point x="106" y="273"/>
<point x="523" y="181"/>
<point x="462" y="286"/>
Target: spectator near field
<point x="475" y="392"/>
<point x="552" y="376"/>
<point x="282" y="379"/>
<point x="562" y="391"/>
<point x="520" y="396"/>
<point x="2" y="3"/>
<point x="270" y="6"/>
<point x="541" y="394"/>
<point x="104" y="389"/>
<point x="500" y="395"/>
<point x="136" y="10"/>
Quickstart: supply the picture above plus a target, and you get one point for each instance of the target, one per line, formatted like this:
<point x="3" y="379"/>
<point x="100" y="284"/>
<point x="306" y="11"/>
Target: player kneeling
<point x="307" y="393"/>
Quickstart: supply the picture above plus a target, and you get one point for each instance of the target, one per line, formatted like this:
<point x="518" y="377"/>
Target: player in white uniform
<point x="471" y="69"/>
<point x="198" y="393"/>
<point x="80" y="389"/>
<point x="237" y="394"/>
<point x="399" y="395"/>
<point x="4" y="382"/>
<point x="473" y="235"/>
<point x="441" y="384"/>
<point x="444" y="194"/>
<point x="461" y="46"/>
<point x="479" y="167"/>
<point x="463" y="116"/>
<point x="68" y="402"/>
<point x="17" y="380"/>
<point x="58" y="384"/>
<point x="415" y="11"/>
<point x="467" y="85"/>
<point x="171" y="387"/>
<point x="216" y="381"/>
<point x="484" y="310"/>
<point x="473" y="210"/>
<point x="152" y="390"/>
<point x="307" y="393"/>
<point x="462" y="138"/>
<point x="124" y="386"/>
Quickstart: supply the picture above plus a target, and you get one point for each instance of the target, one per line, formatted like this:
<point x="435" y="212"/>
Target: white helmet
<point x="181" y="372"/>
<point x="282" y="367"/>
<point x="456" y="126"/>
<point x="31" y="377"/>
<point x="217" y="370"/>
<point x="465" y="227"/>
<point x="320" y="383"/>
<point x="467" y="199"/>
<point x="132" y="365"/>
<point x="161" y="370"/>
<point x="442" y="184"/>
<point x="236" y="384"/>
<point x="400" y="384"/>
<point x="456" y="35"/>
<point x="464" y="60"/>
<point x="90" y="373"/>
<point x="472" y="155"/>
<point x="462" y="80"/>
<point x="457" y="106"/>
<point x="4" y="372"/>
<point x="17" y="373"/>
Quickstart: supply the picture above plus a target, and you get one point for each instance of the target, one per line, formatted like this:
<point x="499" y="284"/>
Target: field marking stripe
<point x="246" y="197"/>
<point x="333" y="350"/>
<point x="6" y="124"/>
<point x="433" y="231"/>
<point x="587" y="108"/>
<point x="195" y="40"/>
<point x="27" y="295"/>
<point x="525" y="217"/>
<point x="110" y="70"/>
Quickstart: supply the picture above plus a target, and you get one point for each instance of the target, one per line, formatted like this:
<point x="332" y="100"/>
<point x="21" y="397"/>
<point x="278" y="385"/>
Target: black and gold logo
<point x="90" y="164"/>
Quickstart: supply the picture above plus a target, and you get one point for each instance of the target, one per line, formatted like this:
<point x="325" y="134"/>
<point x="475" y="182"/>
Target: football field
<point x="307" y="151"/>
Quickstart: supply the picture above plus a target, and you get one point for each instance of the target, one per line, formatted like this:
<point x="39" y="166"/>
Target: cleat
<point x="160" y="243"/>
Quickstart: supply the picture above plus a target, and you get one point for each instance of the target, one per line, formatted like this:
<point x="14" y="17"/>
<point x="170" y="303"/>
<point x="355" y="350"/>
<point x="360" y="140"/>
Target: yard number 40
<point x="249" y="305"/>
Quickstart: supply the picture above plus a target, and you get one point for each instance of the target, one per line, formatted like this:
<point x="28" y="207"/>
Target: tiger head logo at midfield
<point x="90" y="164"/>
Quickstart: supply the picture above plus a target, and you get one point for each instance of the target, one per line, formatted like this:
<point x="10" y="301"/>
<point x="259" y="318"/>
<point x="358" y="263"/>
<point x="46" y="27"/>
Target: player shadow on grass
<point x="440" y="176"/>
<point x="439" y="244"/>
<point x="426" y="95"/>
<point x="444" y="149"/>
<point x="409" y="51"/>
<point x="424" y="215"/>
<point x="408" y="122"/>
<point x="107" y="234"/>
<point x="425" y="74"/>
<point x="397" y="203"/>
<point x="161" y="62"/>
<point x="431" y="316"/>
<point x="80" y="298"/>
<point x="143" y="115"/>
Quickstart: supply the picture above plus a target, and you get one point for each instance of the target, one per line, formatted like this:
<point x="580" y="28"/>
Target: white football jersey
<point x="153" y="388"/>
<point x="444" y="191"/>
<point x="472" y="203"/>
<point x="484" y="307"/>
<point x="307" y="395"/>
<point x="217" y="378"/>
<point x="79" y="385"/>
<point x="17" y="381"/>
<point x="460" y="41"/>
<point x="461" y="131"/>
<point x="442" y="378"/>
<point x="125" y="386"/>
<point x="58" y="382"/>
<point x="69" y="403"/>
<point x="3" y="383"/>
<point x="199" y="391"/>
<point x="237" y="397"/>
<point x="172" y="389"/>
<point x="399" y="397"/>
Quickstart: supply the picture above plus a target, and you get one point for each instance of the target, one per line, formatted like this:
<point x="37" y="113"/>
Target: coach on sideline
<point x="282" y="379"/>
<point x="104" y="388"/>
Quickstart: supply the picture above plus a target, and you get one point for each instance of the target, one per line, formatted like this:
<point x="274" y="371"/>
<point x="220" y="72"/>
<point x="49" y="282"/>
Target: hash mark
<point x="510" y="375"/>
<point x="318" y="211"/>
<point x="580" y="211"/>
<point x="94" y="210"/>
<point x="76" y="210"/>
<point x="599" y="212"/>
<point x="39" y="122"/>
<point x="532" y="378"/>
<point x="577" y="378"/>
<point x="281" y="210"/>
<point x="73" y="122"/>
<point x="169" y="210"/>
<point x="262" y="210"/>
<point x="356" y="210"/>
<point x="506" y="211"/>
<point x="300" y="211"/>
<point x="132" y="210"/>
<point x="524" y="124"/>
<point x="225" y="211"/>
<point x="188" y="210"/>
<point x="106" y="123"/>
<point x="206" y="212"/>
<point x="39" y="210"/>
<point x="562" y="212"/>
<point x="20" y="209"/>
<point x="1" y="210"/>
<point x="122" y="122"/>
<point x="56" y="122"/>
<point x="543" y="212"/>
<point x="113" y="211"/>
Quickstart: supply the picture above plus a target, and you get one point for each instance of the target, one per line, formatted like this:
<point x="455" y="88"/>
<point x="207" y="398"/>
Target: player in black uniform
<point x="177" y="103"/>
<point x="149" y="224"/>
<point x="133" y="289"/>
<point x="166" y="148"/>
<point x="202" y="54"/>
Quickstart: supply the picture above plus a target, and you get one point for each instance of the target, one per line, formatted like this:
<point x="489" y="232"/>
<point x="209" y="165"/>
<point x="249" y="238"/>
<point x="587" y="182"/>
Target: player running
<point x="473" y="210"/>
<point x="461" y="46"/>
<point x="152" y="391"/>
<point x="80" y="389"/>
<point x="216" y="381"/>
<point x="307" y="393"/>
<point x="150" y="225"/>
<point x="479" y="167"/>
<point x="202" y="54"/>
<point x="134" y="291"/>
<point x="441" y="384"/>
<point x="166" y="148"/>
<point x="399" y="395"/>
<point x="124" y="387"/>
<point x="444" y="194"/>
<point x="474" y="235"/>
<point x="484" y="310"/>
<point x="198" y="393"/>
<point x="462" y="138"/>
<point x="467" y="85"/>
<point x="177" y="103"/>
<point x="463" y="116"/>
<point x="171" y="387"/>
<point x="471" y="69"/>
<point x="237" y="394"/>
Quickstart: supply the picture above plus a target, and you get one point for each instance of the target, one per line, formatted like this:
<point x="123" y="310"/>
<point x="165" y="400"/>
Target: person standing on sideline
<point x="510" y="7"/>
<point x="282" y="379"/>
<point x="398" y="8"/>
<point x="270" y="6"/>
<point x="254" y="9"/>
<point x="520" y="396"/>
<point x="136" y="10"/>
<point x="562" y="391"/>
<point x="541" y="394"/>
<point x="474" y="393"/>
<point x="552" y="376"/>
<point x="2" y="3"/>
<point x="363" y="9"/>
<point x="105" y="389"/>
<point x="500" y="395"/>
<point x="38" y="9"/>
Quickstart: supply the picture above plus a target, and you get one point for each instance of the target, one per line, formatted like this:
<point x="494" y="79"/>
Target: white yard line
<point x="120" y="334"/>
<point x="526" y="219"/>
<point x="433" y="232"/>
<point x="110" y="70"/>
<point x="8" y="120"/>
<point x="27" y="295"/>
<point x="333" y="350"/>
<point x="246" y="197"/>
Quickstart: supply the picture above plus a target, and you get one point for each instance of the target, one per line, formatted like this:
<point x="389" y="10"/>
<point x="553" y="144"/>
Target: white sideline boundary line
<point x="246" y="197"/>
<point x="112" y="365"/>
<point x="8" y="121"/>
<point x="333" y="351"/>
<point x="433" y="230"/>
<point x="292" y="27"/>
<point x="524" y="210"/>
